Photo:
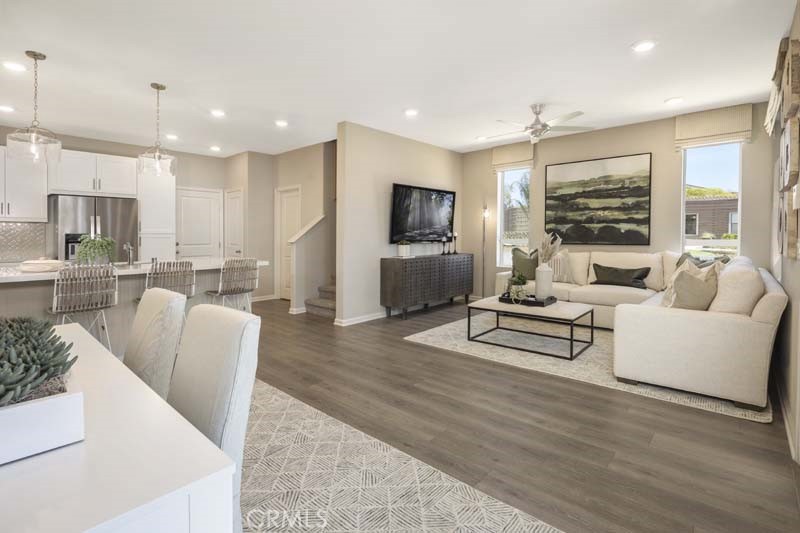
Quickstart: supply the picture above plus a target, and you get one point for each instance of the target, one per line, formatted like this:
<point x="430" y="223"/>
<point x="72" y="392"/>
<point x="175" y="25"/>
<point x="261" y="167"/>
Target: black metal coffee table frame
<point x="571" y="323"/>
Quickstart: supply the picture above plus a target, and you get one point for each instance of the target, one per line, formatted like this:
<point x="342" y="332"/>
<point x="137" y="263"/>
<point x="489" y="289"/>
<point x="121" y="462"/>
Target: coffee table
<point x="566" y="313"/>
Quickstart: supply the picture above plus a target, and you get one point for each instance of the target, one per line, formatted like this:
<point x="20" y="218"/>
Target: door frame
<point x="240" y="190"/>
<point x="221" y="195"/>
<point x="277" y="236"/>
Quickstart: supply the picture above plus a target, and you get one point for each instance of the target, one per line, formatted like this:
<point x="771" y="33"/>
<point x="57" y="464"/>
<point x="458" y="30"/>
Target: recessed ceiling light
<point x="215" y="148"/>
<point x="411" y="113"/>
<point x="6" y="109"/>
<point x="14" y="67"/>
<point x="481" y="138"/>
<point x="281" y="123"/>
<point x="643" y="46"/>
<point x="674" y="100"/>
<point x="219" y="113"/>
<point x="171" y="136"/>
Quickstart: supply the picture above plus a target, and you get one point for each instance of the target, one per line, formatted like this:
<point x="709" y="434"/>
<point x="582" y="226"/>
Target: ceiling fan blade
<point x="520" y="124"/>
<point x="570" y="128"/>
<point x="563" y="118"/>
<point x="520" y="132"/>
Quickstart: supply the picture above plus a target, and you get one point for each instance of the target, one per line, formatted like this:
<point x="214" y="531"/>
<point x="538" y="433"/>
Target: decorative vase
<point x="544" y="281"/>
<point x="403" y="250"/>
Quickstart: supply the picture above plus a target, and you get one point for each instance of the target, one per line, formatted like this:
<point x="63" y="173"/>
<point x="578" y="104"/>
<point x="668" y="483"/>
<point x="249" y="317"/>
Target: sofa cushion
<point x="654" y="300"/>
<point x="579" y="265"/>
<point x="739" y="289"/>
<point x="560" y="263"/>
<point x="609" y="295"/>
<point x="692" y="287"/>
<point x="624" y="277"/>
<point x="654" y="280"/>
<point x="524" y="263"/>
<point x="670" y="260"/>
<point x="560" y="290"/>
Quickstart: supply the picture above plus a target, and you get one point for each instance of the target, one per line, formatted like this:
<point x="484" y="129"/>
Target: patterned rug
<point x="306" y="471"/>
<point x="592" y="366"/>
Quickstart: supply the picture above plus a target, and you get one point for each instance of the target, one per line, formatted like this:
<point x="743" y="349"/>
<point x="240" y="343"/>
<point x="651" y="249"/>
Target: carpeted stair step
<point x="328" y="292"/>
<point x="321" y="307"/>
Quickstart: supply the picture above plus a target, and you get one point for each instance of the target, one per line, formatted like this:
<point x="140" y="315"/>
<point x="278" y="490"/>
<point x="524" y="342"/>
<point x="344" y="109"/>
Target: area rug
<point x="306" y="471"/>
<point x="592" y="366"/>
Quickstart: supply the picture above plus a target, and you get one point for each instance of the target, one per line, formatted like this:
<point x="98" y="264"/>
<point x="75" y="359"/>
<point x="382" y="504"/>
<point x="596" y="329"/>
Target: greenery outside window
<point x="513" y="221"/>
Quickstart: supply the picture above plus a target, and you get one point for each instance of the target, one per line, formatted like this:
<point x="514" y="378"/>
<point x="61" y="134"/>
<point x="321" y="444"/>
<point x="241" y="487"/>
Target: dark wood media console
<point x="424" y="279"/>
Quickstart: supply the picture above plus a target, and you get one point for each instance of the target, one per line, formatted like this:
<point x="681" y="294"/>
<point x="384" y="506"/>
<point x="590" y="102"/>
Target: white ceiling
<point x="463" y="63"/>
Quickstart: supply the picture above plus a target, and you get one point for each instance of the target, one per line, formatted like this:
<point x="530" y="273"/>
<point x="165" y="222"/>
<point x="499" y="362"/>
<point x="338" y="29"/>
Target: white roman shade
<point x="728" y="124"/>
<point x="512" y="156"/>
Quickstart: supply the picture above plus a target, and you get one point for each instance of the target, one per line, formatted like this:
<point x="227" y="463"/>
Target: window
<point x="690" y="226"/>
<point x="711" y="199"/>
<point x="513" y="188"/>
<point x="733" y="223"/>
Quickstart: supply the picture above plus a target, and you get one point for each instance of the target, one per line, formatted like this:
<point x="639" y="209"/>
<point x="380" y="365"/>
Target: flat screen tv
<point x="420" y="214"/>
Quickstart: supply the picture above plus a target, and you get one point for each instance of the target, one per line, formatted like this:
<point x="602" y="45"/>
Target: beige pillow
<point x="691" y="289"/>
<point x="740" y="289"/>
<point x="562" y="272"/>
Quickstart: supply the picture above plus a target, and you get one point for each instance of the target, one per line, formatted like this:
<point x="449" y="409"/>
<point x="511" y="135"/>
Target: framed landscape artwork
<point x="600" y="201"/>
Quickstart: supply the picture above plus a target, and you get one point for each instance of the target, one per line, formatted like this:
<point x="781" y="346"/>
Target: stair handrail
<point x="305" y="229"/>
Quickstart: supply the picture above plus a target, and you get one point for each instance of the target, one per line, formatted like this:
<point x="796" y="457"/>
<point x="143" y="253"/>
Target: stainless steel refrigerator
<point x="69" y="217"/>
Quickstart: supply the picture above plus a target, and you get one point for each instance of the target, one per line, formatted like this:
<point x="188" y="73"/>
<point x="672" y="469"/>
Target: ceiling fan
<point x="538" y="129"/>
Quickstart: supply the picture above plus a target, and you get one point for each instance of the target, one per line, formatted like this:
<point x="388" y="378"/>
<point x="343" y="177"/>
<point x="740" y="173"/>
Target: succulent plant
<point x="31" y="354"/>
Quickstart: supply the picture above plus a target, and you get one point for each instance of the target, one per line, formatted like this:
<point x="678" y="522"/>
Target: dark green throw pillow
<point x="524" y="263"/>
<point x="625" y="277"/>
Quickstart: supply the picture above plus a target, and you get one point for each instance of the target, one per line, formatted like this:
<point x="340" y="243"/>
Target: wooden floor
<point x="578" y="456"/>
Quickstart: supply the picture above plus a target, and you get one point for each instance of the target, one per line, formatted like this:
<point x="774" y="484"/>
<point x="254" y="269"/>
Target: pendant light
<point x="34" y="142"/>
<point x="155" y="159"/>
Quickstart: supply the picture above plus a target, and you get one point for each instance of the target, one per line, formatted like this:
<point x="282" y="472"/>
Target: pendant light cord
<point x="158" y="118"/>
<point x="35" y="122"/>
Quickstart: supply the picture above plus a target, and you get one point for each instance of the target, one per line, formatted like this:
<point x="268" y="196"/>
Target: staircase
<point x="325" y="304"/>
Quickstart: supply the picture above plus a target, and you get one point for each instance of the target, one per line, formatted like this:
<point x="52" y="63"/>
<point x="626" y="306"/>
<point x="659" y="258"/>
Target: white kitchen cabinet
<point x="90" y="174"/>
<point x="158" y="245"/>
<point x="76" y="173"/>
<point x="116" y="175"/>
<point x="24" y="190"/>
<point x="156" y="203"/>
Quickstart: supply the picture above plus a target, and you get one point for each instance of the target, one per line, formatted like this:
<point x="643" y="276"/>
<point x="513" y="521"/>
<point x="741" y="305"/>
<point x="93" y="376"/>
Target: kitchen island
<point x="31" y="294"/>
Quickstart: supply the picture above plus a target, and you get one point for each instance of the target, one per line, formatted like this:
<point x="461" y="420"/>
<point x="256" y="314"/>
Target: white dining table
<point x="141" y="467"/>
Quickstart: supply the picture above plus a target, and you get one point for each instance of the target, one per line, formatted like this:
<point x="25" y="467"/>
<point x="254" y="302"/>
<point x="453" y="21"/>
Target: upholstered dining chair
<point x="154" y="338"/>
<point x="213" y="380"/>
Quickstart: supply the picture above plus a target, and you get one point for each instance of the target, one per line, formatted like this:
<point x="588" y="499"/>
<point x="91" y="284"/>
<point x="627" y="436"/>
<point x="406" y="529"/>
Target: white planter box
<point x="40" y="425"/>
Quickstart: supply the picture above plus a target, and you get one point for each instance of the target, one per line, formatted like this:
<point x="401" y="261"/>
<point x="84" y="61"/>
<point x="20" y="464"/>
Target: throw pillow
<point x="691" y="288"/>
<point x="524" y="263"/>
<point x="624" y="277"/>
<point x="562" y="271"/>
<point x="740" y="289"/>
<point x="703" y="263"/>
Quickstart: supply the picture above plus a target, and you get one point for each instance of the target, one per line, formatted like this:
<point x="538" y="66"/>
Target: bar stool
<point x="86" y="290"/>
<point x="238" y="279"/>
<point x="175" y="276"/>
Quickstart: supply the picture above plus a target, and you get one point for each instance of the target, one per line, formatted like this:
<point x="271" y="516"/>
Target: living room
<point x="437" y="266"/>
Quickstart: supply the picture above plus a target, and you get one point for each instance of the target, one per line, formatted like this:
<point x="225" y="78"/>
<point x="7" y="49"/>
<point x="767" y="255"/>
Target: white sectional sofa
<point x="605" y="298"/>
<point x="725" y="355"/>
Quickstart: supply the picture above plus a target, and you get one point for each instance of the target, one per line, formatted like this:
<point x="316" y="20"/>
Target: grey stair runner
<point x="325" y="305"/>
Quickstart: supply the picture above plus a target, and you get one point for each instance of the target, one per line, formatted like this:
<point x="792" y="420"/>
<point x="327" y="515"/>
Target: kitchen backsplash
<point x="20" y="241"/>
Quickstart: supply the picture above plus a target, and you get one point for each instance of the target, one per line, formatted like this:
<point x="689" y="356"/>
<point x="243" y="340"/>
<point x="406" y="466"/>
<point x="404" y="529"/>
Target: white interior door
<point x="234" y="223"/>
<point x="288" y="226"/>
<point x="199" y="228"/>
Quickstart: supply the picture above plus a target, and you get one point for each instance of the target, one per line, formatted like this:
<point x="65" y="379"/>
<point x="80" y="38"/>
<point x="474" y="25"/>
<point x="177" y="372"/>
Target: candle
<point x="455" y="234"/>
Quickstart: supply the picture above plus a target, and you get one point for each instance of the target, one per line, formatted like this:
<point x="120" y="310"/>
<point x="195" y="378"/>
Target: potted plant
<point x="37" y="413"/>
<point x="97" y="249"/>
<point x="404" y="248"/>
<point x="516" y="287"/>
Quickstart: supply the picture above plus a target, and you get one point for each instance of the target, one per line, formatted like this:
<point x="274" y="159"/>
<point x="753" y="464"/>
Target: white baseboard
<point x="358" y="319"/>
<point x="297" y="310"/>
<point x="793" y="450"/>
<point x="264" y="298"/>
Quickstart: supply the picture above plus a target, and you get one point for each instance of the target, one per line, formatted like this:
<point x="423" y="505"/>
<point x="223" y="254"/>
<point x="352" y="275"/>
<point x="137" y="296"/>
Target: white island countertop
<point x="10" y="274"/>
<point x="141" y="464"/>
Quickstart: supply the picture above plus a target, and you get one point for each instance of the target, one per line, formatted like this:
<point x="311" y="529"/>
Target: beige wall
<point x="193" y="170"/>
<point x="657" y="137"/>
<point x="368" y="163"/>
<point x="305" y="167"/>
<point x="787" y="361"/>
